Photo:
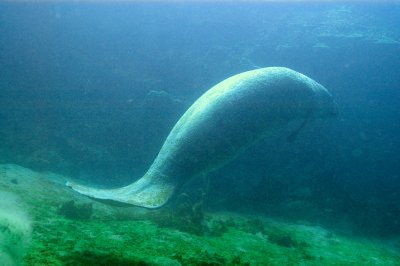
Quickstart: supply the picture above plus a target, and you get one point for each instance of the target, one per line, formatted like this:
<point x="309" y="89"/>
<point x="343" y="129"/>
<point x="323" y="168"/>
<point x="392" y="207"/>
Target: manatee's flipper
<point x="145" y="192"/>
<point x="296" y="132"/>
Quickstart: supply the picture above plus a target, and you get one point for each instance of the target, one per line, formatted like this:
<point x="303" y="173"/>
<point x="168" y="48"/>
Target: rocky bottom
<point x="69" y="229"/>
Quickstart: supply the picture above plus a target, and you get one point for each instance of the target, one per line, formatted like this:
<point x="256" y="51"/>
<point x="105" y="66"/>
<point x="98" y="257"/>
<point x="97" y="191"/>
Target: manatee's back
<point x="231" y="116"/>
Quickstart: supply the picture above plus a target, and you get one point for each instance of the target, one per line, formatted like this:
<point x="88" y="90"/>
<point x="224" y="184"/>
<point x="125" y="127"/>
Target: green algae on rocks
<point x="134" y="236"/>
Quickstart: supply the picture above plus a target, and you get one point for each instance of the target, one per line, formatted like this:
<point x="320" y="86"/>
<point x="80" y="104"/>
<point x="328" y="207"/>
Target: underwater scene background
<point x="91" y="90"/>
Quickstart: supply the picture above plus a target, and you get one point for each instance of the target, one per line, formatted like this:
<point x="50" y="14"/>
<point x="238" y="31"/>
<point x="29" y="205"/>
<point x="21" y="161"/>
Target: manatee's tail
<point x="145" y="192"/>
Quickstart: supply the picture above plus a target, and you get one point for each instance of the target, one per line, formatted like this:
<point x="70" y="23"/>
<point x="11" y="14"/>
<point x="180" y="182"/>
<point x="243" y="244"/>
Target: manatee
<point x="224" y="121"/>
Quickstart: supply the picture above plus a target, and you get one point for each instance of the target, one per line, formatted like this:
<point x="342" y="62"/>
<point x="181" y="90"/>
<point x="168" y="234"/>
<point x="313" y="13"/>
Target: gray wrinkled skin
<point x="224" y="121"/>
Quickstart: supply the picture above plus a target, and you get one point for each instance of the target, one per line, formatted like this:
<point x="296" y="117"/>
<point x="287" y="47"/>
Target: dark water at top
<point x="92" y="90"/>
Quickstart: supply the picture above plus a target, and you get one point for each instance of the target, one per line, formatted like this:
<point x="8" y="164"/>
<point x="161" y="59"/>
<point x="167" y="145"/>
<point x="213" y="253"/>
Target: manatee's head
<point x="325" y="106"/>
<point x="311" y="98"/>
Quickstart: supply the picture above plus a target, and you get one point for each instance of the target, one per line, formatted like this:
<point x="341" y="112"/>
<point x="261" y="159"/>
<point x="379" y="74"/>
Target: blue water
<point x="91" y="90"/>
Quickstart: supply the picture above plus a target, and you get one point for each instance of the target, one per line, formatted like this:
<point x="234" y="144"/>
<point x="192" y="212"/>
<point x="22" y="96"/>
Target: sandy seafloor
<point x="135" y="236"/>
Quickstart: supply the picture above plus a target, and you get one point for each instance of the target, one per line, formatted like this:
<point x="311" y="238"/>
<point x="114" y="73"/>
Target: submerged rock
<point x="75" y="211"/>
<point x="15" y="230"/>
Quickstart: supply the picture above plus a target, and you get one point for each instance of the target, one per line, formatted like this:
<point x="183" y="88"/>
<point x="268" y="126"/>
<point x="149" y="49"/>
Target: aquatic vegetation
<point x="141" y="238"/>
<point x="185" y="214"/>
<point x="253" y="225"/>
